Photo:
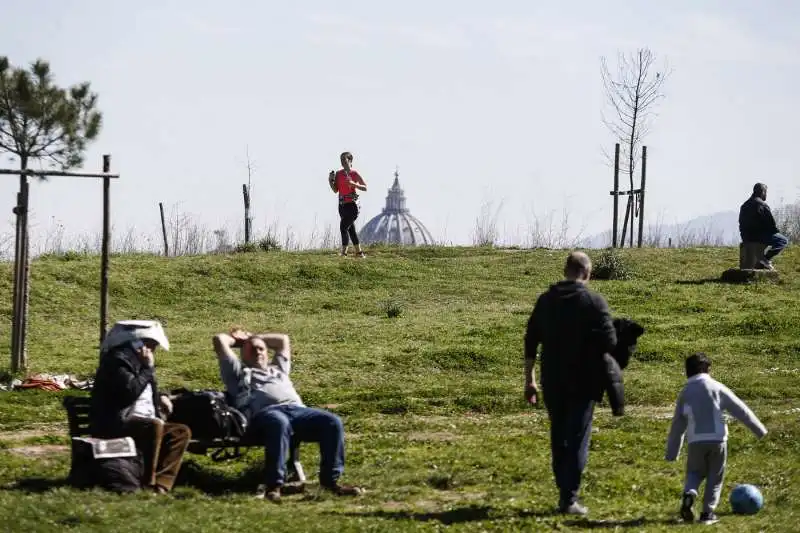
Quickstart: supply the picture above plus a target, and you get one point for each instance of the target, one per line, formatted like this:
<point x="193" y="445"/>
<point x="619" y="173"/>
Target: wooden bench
<point x="77" y="408"/>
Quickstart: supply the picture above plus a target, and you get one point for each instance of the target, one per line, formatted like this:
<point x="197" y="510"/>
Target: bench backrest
<point x="78" y="415"/>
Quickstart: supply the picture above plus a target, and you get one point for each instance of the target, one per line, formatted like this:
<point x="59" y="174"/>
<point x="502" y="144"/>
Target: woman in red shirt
<point x="347" y="182"/>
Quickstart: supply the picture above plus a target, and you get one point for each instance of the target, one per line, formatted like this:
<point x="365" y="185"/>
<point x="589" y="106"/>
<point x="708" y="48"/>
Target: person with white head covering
<point x="126" y="403"/>
<point x="128" y="330"/>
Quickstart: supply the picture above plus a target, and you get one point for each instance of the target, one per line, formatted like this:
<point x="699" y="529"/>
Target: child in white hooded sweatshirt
<point x="699" y="414"/>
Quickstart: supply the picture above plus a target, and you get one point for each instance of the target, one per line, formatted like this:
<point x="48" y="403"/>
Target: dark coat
<point x="120" y="380"/>
<point x="756" y="222"/>
<point x="628" y="333"/>
<point x="575" y="329"/>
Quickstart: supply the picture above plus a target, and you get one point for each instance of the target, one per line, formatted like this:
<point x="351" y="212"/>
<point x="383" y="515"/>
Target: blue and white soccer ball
<point x="746" y="499"/>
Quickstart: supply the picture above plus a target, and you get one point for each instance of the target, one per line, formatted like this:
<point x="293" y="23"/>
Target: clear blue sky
<point x="476" y="101"/>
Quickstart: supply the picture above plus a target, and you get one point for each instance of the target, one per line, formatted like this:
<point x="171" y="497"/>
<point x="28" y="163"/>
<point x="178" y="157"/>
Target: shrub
<point x="269" y="243"/>
<point x="243" y="248"/>
<point x="392" y="308"/>
<point x="69" y="255"/>
<point x="610" y="265"/>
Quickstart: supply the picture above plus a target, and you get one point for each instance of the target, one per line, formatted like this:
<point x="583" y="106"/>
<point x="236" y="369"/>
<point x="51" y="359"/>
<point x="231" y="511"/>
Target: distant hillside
<point x="717" y="229"/>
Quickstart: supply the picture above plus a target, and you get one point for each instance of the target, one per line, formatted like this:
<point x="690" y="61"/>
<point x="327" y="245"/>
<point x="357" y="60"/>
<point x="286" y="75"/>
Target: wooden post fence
<point x="247" y="221"/>
<point x="105" y="248"/>
<point x="22" y="261"/>
<point x="616" y="197"/>
<point x="641" y="194"/>
<point x="164" y="230"/>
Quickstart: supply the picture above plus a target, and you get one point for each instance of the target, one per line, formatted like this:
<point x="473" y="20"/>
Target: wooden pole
<point x="246" y="194"/>
<point x="16" y="296"/>
<point x="628" y="208"/>
<point x="106" y="239"/>
<point x="58" y="173"/>
<point x="164" y="229"/>
<point x="632" y="202"/>
<point x="18" y="355"/>
<point x="22" y="347"/>
<point x="641" y="194"/>
<point x="616" y="197"/>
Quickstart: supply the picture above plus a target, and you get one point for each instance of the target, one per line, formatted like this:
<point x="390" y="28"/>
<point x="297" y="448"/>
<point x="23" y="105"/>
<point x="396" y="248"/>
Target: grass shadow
<point x="472" y="513"/>
<point x="192" y="475"/>
<point x="37" y="485"/>
<point x="217" y="483"/>
<point x="459" y="515"/>
<point x="640" y="522"/>
<point x="699" y="281"/>
<point x="476" y="513"/>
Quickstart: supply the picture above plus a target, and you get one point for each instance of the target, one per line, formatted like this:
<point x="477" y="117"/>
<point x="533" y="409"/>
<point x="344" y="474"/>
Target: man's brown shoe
<point x="272" y="494"/>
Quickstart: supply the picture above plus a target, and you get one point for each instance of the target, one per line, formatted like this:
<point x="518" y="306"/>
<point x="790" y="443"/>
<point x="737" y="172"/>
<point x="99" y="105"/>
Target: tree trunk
<point x="625" y="222"/>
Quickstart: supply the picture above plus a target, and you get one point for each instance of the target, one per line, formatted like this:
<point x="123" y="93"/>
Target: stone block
<point x="748" y="275"/>
<point x="750" y="253"/>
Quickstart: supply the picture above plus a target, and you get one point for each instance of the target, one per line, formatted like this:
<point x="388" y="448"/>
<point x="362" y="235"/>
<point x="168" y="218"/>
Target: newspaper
<point x="109" y="448"/>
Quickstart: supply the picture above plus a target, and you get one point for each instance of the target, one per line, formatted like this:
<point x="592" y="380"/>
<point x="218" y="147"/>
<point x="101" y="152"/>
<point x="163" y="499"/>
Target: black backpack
<point x="207" y="414"/>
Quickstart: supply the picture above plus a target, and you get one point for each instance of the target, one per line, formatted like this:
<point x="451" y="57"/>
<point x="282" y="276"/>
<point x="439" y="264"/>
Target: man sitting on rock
<point x="756" y="224"/>
<point x="262" y="390"/>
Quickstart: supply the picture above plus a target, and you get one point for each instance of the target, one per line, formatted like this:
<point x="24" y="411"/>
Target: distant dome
<point x="395" y="225"/>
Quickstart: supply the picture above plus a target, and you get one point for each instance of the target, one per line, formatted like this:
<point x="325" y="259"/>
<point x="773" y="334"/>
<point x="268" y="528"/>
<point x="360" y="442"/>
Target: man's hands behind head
<point x="239" y="336"/>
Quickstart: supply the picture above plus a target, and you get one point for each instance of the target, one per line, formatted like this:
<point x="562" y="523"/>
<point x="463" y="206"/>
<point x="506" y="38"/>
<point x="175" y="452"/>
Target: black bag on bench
<point x="207" y="414"/>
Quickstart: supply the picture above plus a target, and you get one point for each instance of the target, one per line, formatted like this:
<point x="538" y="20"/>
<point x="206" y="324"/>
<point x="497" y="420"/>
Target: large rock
<point x="750" y="254"/>
<point x="748" y="275"/>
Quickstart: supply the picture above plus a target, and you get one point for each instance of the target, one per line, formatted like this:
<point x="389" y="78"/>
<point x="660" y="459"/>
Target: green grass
<point x="420" y="351"/>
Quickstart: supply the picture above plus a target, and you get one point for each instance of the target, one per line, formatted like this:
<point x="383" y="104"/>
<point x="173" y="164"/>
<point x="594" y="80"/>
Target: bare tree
<point x="485" y="232"/>
<point x="788" y="219"/>
<point x="246" y="189"/>
<point x="633" y="92"/>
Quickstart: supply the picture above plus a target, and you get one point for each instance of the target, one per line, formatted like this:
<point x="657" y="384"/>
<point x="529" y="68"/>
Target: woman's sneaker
<point x="686" y="506"/>
<point x="708" y="518"/>
<point x="573" y="508"/>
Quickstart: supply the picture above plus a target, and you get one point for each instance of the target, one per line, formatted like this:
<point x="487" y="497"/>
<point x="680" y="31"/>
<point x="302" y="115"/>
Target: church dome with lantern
<point x="395" y="224"/>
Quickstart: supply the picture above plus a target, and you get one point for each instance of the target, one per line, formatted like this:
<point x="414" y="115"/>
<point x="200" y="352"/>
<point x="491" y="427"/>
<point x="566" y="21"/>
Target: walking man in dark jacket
<point x="126" y="403"/>
<point x="756" y="224"/>
<point x="574" y="327"/>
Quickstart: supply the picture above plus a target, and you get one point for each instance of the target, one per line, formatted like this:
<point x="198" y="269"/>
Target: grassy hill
<point x="431" y="397"/>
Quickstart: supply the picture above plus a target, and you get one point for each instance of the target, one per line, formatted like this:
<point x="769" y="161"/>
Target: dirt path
<point x="34" y="430"/>
<point x="42" y="450"/>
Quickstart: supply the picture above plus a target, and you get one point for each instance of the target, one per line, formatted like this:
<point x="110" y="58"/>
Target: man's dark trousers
<point x="570" y="434"/>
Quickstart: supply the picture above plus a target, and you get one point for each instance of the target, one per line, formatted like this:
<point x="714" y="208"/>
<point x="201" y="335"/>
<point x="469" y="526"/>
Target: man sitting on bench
<point x="262" y="390"/>
<point x="125" y="401"/>
<point x="756" y="224"/>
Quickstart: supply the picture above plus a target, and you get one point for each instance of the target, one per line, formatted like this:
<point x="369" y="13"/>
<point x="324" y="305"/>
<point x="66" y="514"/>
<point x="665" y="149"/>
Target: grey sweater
<point x="699" y="414"/>
<point x="257" y="388"/>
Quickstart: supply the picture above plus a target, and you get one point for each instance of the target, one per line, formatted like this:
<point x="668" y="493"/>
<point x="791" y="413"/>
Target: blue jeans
<point x="570" y="434"/>
<point x="280" y="424"/>
<point x="776" y="243"/>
